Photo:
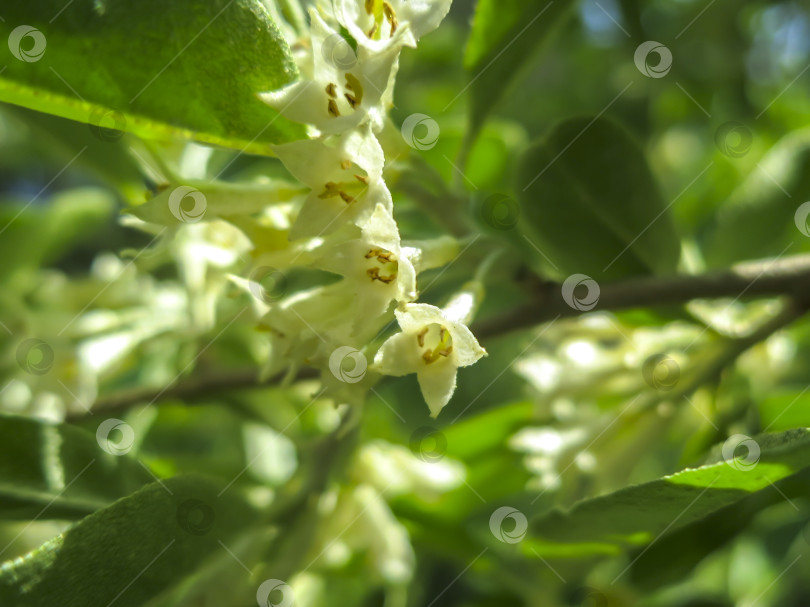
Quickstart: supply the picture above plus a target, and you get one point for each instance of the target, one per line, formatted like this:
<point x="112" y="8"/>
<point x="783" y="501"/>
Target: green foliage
<point x="197" y="74"/>
<point x="592" y="206"/>
<point x="676" y="555"/>
<point x="154" y="537"/>
<point x="619" y="438"/>
<point x="635" y="516"/>
<point x="757" y="220"/>
<point x="32" y="237"/>
<point x="51" y="471"/>
<point x="503" y="38"/>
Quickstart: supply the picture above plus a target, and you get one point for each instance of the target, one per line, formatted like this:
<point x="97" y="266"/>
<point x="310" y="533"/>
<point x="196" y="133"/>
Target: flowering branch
<point x="788" y="276"/>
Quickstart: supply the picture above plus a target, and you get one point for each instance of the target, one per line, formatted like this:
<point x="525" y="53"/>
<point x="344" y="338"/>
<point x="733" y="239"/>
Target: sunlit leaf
<point x="194" y="70"/>
<point x="52" y="471"/>
<point x="504" y="36"/>
<point x="637" y="515"/>
<point x="130" y="551"/>
<point x="763" y="216"/>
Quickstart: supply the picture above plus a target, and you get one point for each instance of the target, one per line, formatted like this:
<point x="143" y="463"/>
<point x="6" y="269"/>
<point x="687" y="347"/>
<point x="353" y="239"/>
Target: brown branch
<point x="204" y="386"/>
<point x="788" y="276"/>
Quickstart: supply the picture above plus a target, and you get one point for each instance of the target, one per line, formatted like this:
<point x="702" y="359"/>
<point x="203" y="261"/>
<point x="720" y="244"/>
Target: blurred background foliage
<point x="401" y="517"/>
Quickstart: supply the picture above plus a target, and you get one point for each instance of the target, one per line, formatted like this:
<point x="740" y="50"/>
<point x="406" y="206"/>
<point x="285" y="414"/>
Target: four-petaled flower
<point x="433" y="344"/>
<point x="375" y="268"/>
<point x="345" y="174"/>
<point x="375" y="24"/>
<point x="339" y="98"/>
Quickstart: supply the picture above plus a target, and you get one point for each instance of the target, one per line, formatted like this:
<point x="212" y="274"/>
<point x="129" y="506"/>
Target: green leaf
<point x="590" y="204"/>
<point x="222" y="199"/>
<point x="186" y="68"/>
<point x="758" y="219"/>
<point x="637" y="515"/>
<point x="478" y="435"/>
<point x="37" y="235"/>
<point x="783" y="408"/>
<point x="129" y="552"/>
<point x="50" y="471"/>
<point x="674" y="556"/>
<point x="504" y="36"/>
<point x="66" y="140"/>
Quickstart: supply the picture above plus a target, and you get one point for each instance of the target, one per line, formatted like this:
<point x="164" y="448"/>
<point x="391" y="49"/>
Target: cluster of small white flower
<point x="345" y="225"/>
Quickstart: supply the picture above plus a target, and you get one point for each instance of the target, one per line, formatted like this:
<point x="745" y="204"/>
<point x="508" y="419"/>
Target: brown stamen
<point x="374" y="273"/>
<point x="389" y="12"/>
<point x="353" y="84"/>
<point x="352" y="100"/>
<point x="420" y="337"/>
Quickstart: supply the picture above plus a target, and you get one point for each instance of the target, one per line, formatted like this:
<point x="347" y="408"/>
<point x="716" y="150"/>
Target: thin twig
<point x="200" y="387"/>
<point x="788" y="276"/>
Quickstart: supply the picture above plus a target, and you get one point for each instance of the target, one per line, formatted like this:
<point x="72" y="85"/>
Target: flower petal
<point x="406" y="281"/>
<point x="424" y="16"/>
<point x="301" y="101"/>
<point x="318" y="161"/>
<point x="399" y="355"/>
<point x="466" y="349"/>
<point x="381" y="229"/>
<point x="413" y="316"/>
<point x="438" y="382"/>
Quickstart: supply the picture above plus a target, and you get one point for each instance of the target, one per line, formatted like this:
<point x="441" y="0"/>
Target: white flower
<point x="375" y="269"/>
<point x="433" y="345"/>
<point x="431" y="253"/>
<point x="205" y="252"/>
<point x="345" y="174"/>
<point x="375" y="24"/>
<point x="339" y="96"/>
<point x="309" y="325"/>
<point x="375" y="265"/>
